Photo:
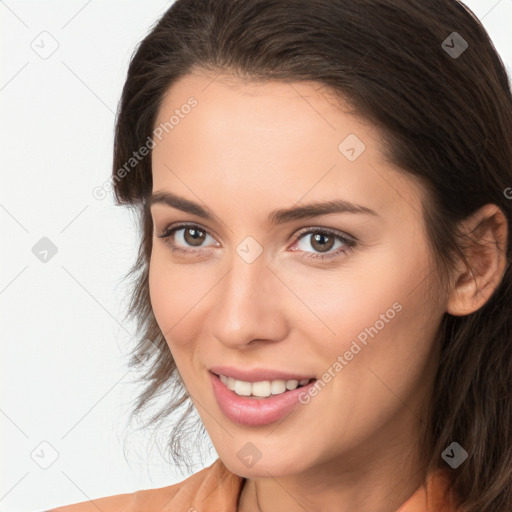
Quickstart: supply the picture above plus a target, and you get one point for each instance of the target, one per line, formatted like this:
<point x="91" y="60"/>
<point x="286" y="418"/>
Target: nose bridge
<point x="246" y="306"/>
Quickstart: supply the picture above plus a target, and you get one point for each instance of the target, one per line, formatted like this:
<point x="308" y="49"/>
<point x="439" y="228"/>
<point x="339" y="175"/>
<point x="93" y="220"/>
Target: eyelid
<point x="331" y="231"/>
<point x="175" y="227"/>
<point x="171" y="229"/>
<point x="349" y="241"/>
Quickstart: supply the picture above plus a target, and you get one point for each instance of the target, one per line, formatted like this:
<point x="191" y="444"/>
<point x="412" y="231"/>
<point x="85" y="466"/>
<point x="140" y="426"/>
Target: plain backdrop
<point x="66" y="390"/>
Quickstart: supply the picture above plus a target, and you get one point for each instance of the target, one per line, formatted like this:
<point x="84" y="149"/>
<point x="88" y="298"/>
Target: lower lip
<point x="255" y="412"/>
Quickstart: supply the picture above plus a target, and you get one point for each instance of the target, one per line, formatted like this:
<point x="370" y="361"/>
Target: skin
<point x="246" y="149"/>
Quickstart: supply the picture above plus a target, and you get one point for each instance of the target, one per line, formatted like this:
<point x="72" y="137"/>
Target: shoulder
<point x="214" y="485"/>
<point x="106" y="504"/>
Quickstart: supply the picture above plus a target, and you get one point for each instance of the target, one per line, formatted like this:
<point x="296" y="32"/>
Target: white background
<point x="65" y="338"/>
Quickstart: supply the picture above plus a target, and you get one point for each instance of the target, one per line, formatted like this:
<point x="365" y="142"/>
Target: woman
<point x="324" y="195"/>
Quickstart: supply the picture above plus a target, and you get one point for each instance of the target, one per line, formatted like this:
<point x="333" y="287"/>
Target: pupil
<point x="322" y="247"/>
<point x="195" y="238"/>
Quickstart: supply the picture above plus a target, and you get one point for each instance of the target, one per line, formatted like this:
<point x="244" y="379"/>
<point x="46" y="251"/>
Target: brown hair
<point x="445" y="117"/>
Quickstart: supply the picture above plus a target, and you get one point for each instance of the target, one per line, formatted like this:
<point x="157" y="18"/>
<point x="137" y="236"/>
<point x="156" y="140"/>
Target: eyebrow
<point x="278" y="216"/>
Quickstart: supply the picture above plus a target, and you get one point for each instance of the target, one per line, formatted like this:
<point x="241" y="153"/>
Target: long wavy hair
<point x="442" y="102"/>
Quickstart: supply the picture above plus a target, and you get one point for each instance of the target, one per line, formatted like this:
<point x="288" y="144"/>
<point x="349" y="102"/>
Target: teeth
<point x="242" y="388"/>
<point x="277" y="386"/>
<point x="291" y="384"/>
<point x="261" y="389"/>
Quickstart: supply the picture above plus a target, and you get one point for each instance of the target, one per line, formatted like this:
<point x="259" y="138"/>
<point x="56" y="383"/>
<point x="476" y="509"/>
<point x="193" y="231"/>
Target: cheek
<point x="177" y="294"/>
<point x="161" y="294"/>
<point x="344" y="302"/>
<point x="375" y="309"/>
<point x="167" y="294"/>
<point x="385" y="326"/>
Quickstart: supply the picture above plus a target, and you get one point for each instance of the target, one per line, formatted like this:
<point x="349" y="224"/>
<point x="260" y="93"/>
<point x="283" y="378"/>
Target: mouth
<point x="242" y="404"/>
<point x="262" y="389"/>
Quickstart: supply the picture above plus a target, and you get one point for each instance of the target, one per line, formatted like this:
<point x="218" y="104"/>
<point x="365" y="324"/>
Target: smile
<point x="251" y="410"/>
<point x="263" y="388"/>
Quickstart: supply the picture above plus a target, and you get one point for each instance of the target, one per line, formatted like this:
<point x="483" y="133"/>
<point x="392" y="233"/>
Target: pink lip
<point x="257" y="374"/>
<point x="255" y="412"/>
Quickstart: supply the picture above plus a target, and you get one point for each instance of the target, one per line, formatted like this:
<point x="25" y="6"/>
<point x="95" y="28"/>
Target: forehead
<point x="224" y="100"/>
<point x="286" y="141"/>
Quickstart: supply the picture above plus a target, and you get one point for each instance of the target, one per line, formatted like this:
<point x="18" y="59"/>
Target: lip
<point x="254" y="412"/>
<point x="257" y="374"/>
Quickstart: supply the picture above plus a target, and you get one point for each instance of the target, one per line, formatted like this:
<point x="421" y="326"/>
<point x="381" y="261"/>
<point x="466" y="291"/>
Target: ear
<point x="485" y="251"/>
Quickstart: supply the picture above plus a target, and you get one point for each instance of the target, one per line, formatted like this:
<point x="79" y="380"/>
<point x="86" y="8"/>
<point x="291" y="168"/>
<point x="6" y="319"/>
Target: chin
<point x="264" y="466"/>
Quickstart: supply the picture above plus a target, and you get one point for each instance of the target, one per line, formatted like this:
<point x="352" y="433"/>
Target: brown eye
<point x="325" y="243"/>
<point x="184" y="238"/>
<point x="194" y="236"/>
<point x="322" y="242"/>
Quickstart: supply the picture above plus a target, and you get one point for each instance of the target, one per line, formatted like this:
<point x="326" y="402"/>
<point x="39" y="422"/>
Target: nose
<point x="248" y="305"/>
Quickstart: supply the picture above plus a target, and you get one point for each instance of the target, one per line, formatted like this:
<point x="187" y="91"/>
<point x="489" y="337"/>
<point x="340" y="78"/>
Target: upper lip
<point x="257" y="374"/>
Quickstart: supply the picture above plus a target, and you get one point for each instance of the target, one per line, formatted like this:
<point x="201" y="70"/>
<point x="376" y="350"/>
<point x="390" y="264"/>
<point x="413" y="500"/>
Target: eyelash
<point x="349" y="243"/>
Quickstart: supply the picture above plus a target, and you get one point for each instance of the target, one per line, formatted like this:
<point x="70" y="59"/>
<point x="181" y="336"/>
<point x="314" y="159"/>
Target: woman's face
<point x="345" y="297"/>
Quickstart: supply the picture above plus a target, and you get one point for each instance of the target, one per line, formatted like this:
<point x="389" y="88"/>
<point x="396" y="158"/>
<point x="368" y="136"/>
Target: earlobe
<point x="485" y="249"/>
